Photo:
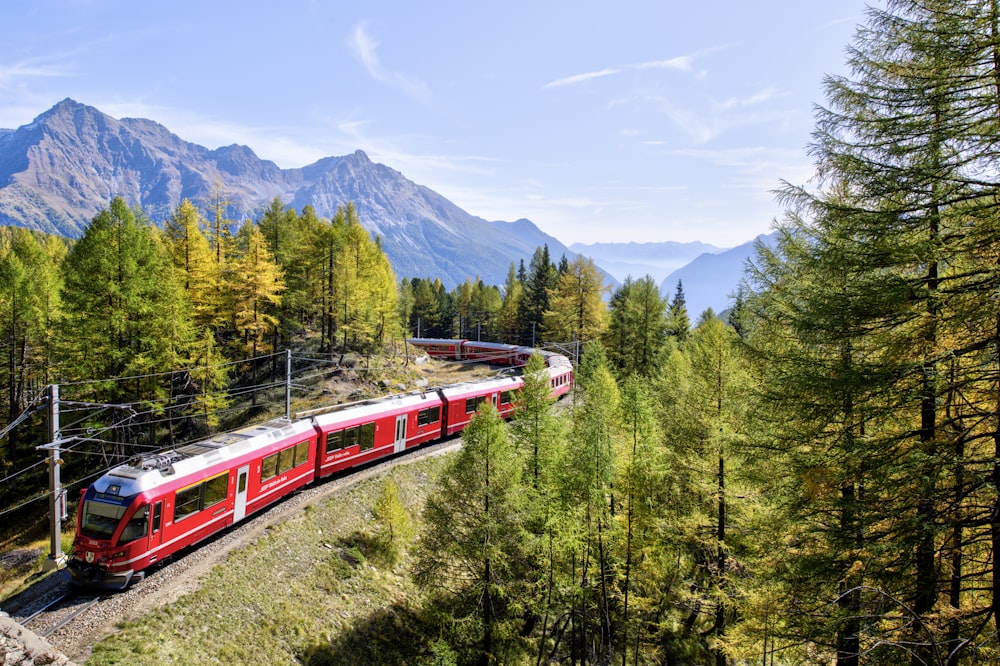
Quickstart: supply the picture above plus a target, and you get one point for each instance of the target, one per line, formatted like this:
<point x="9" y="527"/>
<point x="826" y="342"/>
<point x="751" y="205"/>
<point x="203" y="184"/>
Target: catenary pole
<point x="288" y="384"/>
<point x="57" y="495"/>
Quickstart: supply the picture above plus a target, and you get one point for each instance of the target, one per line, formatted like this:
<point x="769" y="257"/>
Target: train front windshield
<point x="101" y="514"/>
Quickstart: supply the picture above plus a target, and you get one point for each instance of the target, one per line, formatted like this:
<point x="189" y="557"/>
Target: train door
<point x="155" y="535"/>
<point x="240" y="508"/>
<point x="400" y="433"/>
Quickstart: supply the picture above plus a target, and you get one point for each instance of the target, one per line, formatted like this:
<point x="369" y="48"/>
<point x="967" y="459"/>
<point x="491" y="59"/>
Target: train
<point x="142" y="512"/>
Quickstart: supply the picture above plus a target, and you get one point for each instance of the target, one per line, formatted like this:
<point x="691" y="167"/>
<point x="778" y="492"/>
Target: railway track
<point x="58" y="613"/>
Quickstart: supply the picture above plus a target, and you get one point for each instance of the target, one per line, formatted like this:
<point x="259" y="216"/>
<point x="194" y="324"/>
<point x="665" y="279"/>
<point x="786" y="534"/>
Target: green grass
<point x="317" y="589"/>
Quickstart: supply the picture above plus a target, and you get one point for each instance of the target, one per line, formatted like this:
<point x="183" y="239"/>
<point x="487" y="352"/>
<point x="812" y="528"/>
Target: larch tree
<point x="639" y="478"/>
<point x="255" y="284"/>
<point x="366" y="298"/>
<point x="122" y="301"/>
<point x="513" y="291"/>
<point x="472" y="546"/>
<point x="576" y="311"/>
<point x="820" y="392"/>
<point x="906" y="151"/>
<point x="538" y="434"/>
<point x="636" y="336"/>
<point x="325" y="247"/>
<point x="192" y="254"/>
<point x="29" y="309"/>
<point x="720" y="388"/>
<point x="589" y="471"/>
<point x="396" y="527"/>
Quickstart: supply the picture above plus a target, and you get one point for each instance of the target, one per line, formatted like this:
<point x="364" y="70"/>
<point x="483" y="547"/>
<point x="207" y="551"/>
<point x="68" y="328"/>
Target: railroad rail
<point x="59" y="612"/>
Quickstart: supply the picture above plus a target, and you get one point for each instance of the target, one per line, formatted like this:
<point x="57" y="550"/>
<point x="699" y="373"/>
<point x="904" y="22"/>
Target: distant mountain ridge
<point x="711" y="279"/>
<point x="641" y="259"/>
<point x="58" y="171"/>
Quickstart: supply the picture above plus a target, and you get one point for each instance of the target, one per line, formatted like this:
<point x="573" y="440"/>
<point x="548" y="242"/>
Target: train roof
<point x="506" y="382"/>
<point x="490" y="345"/>
<point x="150" y="471"/>
<point x="554" y="360"/>
<point x="366" y="409"/>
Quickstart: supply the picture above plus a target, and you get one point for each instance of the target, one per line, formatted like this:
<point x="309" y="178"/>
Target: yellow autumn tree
<point x="366" y="295"/>
<point x="189" y="247"/>
<point x="254" y="286"/>
<point x="576" y="309"/>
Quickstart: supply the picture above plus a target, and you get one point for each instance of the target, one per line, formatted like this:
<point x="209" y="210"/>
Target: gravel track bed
<point x="175" y="578"/>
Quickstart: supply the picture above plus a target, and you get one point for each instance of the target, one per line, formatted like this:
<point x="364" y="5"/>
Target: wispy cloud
<point x="29" y="69"/>
<point x="759" y="97"/>
<point x="580" y="78"/>
<point x="365" y="47"/>
<point x="680" y="63"/>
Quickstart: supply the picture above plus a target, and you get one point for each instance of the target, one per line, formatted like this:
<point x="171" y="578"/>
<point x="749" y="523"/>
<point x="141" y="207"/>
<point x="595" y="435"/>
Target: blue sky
<point x="601" y="122"/>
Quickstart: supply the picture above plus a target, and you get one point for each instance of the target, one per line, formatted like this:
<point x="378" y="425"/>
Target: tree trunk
<point x="720" y="610"/>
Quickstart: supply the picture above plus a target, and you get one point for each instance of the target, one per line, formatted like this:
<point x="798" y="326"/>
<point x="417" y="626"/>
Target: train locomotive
<point x="142" y="512"/>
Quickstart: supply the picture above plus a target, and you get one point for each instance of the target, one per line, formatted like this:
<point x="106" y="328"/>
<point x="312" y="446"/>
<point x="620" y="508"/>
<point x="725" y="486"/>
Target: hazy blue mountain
<point x="710" y="280"/>
<point x="641" y="259"/>
<point x="57" y="172"/>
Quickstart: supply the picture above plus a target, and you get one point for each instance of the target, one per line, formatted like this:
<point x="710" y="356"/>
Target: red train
<point x="140" y="513"/>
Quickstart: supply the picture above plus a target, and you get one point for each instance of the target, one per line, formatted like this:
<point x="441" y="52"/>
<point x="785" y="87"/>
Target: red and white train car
<point x="355" y="434"/>
<point x="440" y="347"/>
<point x="464" y="400"/>
<point x="488" y="352"/>
<point x="134" y="516"/>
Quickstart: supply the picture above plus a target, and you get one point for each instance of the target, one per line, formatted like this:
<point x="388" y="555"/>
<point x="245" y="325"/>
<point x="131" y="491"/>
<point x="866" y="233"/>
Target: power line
<point x="78" y="435"/>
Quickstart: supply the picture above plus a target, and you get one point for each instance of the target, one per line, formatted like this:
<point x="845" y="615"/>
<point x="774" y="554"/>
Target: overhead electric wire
<point x="18" y="473"/>
<point x="153" y="375"/>
<point x="76" y="434"/>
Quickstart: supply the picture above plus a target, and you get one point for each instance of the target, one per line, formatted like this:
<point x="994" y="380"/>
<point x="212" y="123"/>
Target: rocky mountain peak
<point x="57" y="172"/>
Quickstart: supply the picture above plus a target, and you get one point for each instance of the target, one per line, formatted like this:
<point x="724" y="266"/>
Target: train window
<point x="472" y="404"/>
<point x="137" y="526"/>
<point x="429" y="415"/>
<point x="286" y="459"/>
<point x="187" y="503"/>
<point x="216" y="490"/>
<point x="301" y="453"/>
<point x="350" y="438"/>
<point x="269" y="467"/>
<point x="506" y="397"/>
<point x="334" y="441"/>
<point x="367" y="436"/>
<point x="157" y="516"/>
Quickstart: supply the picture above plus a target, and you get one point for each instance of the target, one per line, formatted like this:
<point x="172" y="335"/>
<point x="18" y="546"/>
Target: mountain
<point x="60" y="170"/>
<point x="710" y="279"/>
<point x="638" y="260"/>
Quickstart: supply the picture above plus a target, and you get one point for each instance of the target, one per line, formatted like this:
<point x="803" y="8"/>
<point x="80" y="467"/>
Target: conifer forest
<point x="811" y="477"/>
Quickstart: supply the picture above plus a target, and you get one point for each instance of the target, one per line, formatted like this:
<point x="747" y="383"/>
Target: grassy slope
<point x="313" y="590"/>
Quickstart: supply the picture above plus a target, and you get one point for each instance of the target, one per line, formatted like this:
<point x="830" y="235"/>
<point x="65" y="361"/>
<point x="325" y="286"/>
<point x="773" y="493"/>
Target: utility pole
<point x="288" y="384"/>
<point x="57" y="494"/>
